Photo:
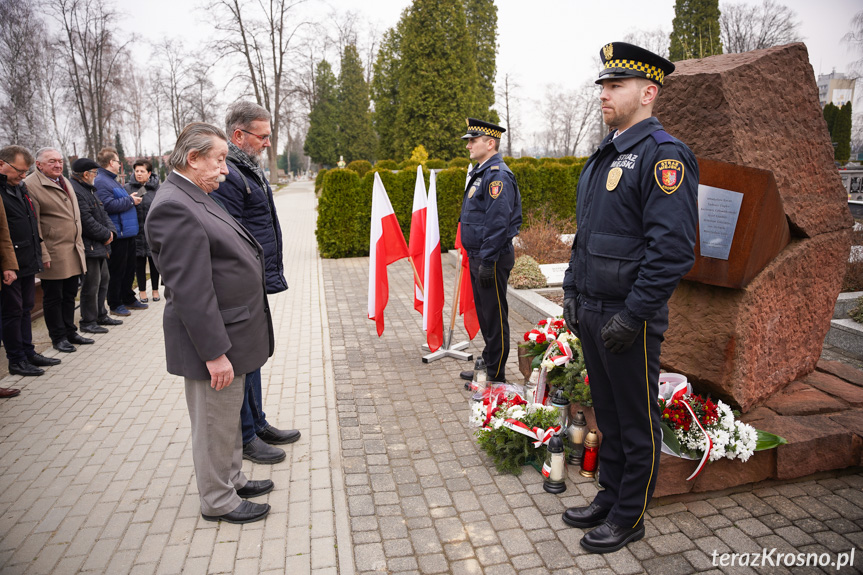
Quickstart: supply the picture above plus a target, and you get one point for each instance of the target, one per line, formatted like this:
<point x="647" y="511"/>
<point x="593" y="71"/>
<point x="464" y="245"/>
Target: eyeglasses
<point x="262" y="138"/>
<point x="19" y="170"/>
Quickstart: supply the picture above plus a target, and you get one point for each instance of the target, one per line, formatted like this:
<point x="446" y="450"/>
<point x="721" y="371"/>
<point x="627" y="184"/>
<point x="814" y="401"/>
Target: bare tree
<point x="261" y="34"/>
<point x="853" y="41"/>
<point x="744" y="27"/>
<point x="156" y="100"/>
<point x="201" y="94"/>
<point x="22" y="41"/>
<point x="656" y="40"/>
<point x="56" y="98"/>
<point x="91" y="57"/>
<point x="570" y="117"/>
<point x="136" y="109"/>
<point x="508" y="98"/>
<point x="175" y="82"/>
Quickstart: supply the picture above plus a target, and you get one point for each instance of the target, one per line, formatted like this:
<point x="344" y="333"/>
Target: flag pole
<point x="417" y="275"/>
<point x="455" y="350"/>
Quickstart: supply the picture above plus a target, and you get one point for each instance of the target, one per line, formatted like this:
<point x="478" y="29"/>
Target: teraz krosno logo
<point x="774" y="558"/>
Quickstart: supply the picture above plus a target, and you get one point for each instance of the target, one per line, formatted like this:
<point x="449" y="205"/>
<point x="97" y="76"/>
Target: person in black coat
<point x="98" y="232"/>
<point x="145" y="184"/>
<point x="17" y="299"/>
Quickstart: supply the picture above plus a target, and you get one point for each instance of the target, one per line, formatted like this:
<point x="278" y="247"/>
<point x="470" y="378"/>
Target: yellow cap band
<point x="652" y="72"/>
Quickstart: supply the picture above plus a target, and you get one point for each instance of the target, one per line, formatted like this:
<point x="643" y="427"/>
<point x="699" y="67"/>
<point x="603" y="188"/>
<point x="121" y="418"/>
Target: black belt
<point x="598" y="305"/>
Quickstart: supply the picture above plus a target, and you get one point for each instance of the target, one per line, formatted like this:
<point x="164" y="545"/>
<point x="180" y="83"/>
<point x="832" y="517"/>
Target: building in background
<point x="835" y="88"/>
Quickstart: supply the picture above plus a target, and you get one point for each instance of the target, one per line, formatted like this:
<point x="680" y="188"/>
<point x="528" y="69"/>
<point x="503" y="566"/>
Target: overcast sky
<point x="540" y="42"/>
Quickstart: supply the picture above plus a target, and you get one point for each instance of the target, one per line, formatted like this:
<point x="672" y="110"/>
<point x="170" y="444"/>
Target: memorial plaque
<point x="717" y="219"/>
<point x="553" y="273"/>
<point x="742" y="225"/>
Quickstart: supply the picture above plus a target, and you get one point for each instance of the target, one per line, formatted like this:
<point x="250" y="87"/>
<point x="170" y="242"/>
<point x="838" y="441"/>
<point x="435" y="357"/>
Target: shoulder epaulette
<point x="662" y="137"/>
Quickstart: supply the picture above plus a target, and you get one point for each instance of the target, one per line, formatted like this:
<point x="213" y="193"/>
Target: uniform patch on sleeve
<point x="669" y="175"/>
<point x="494" y="189"/>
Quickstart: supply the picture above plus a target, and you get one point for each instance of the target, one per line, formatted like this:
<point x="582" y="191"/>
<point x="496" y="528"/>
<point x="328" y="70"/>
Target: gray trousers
<point x="94" y="289"/>
<point x="217" y="443"/>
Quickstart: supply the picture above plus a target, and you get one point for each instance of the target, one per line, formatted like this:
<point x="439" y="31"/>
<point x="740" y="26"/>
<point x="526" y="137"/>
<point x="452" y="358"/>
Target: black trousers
<point x="492" y="312"/>
<point x="94" y="290"/>
<point x="16" y="303"/>
<point x="58" y="306"/>
<point x="141" y="273"/>
<point x="121" y="266"/>
<point x="624" y="387"/>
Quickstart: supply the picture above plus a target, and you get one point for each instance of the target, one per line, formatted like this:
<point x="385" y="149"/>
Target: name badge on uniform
<point x="613" y="178"/>
<point x="494" y="189"/>
<point x="471" y="192"/>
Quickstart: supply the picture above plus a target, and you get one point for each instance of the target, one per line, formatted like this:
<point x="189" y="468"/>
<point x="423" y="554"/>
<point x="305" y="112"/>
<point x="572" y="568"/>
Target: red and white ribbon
<point x="680" y="395"/>
<point x="565" y="354"/>
<point x="541" y="436"/>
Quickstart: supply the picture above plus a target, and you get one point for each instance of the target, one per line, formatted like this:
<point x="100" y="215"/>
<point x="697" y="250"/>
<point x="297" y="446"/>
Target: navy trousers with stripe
<point x="492" y="312"/>
<point x="624" y="387"/>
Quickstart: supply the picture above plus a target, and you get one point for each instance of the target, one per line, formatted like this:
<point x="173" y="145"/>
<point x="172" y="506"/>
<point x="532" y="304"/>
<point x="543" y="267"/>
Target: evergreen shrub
<point x="435" y="164"/>
<point x="387" y="165"/>
<point x="319" y="180"/>
<point x="526" y="274"/>
<point x="360" y="167"/>
<point x="459" y="162"/>
<point x="340" y="215"/>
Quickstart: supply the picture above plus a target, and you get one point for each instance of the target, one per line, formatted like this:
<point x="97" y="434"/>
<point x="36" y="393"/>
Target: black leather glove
<point x="486" y="276"/>
<point x="570" y="314"/>
<point x="620" y="332"/>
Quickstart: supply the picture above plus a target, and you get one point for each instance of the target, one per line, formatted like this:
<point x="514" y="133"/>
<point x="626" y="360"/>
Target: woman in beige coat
<point x="56" y="209"/>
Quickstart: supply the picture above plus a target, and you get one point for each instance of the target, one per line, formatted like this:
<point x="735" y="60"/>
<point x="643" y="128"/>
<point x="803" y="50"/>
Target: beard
<point x="221" y="178"/>
<point x="254" y="155"/>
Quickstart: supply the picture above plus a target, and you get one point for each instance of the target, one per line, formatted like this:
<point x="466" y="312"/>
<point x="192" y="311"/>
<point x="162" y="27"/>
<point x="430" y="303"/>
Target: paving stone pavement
<point x="96" y="472"/>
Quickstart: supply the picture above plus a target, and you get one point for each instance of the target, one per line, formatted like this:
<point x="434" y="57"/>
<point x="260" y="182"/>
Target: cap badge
<point x="613" y="178"/>
<point x="608" y="51"/>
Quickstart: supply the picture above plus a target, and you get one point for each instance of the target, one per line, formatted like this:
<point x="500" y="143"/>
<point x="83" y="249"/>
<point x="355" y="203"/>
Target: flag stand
<point x="446" y="350"/>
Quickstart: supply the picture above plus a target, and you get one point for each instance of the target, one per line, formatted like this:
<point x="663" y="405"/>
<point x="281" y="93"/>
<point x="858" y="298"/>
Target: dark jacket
<point x="147" y="193"/>
<point x="490" y="211"/>
<point x="118" y="204"/>
<point x="23" y="227"/>
<point x="96" y="226"/>
<point x="637" y="217"/>
<point x="250" y="201"/>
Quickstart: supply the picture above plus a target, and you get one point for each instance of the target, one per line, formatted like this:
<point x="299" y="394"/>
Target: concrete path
<point x="96" y="471"/>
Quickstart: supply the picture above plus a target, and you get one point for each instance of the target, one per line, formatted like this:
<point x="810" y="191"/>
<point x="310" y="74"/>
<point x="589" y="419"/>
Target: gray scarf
<point x="239" y="157"/>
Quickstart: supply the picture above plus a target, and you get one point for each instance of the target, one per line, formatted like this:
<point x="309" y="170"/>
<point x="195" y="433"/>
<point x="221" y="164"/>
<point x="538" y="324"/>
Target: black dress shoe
<point x="78" y="339"/>
<point x="275" y="436"/>
<point x="247" y="512"/>
<point x="255" y="488"/>
<point x="24" y="368"/>
<point x="259" y="452"/>
<point x="42" y="361"/>
<point x="109" y="321"/>
<point x="64" y="346"/>
<point x="610" y="537"/>
<point x="589" y="516"/>
<point x="93" y="328"/>
<point x="467" y="375"/>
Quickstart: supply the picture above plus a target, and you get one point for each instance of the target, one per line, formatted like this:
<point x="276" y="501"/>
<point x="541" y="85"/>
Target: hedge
<point x="344" y="208"/>
<point x="319" y="179"/>
<point x="387" y="165"/>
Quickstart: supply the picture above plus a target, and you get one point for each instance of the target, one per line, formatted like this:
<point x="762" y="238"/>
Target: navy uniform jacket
<point x="490" y="211"/>
<point x="636" y="235"/>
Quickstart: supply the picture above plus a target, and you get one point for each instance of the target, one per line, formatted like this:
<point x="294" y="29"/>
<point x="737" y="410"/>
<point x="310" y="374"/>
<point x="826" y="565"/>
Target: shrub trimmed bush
<point x="340" y="211"/>
<point x="459" y="163"/>
<point x="435" y="164"/>
<point x="319" y="180"/>
<point x="526" y="274"/>
<point x="387" y="165"/>
<point x="360" y="167"/>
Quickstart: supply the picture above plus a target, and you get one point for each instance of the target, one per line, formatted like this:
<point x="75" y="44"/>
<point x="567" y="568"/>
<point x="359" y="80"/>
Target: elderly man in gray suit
<point x="217" y="323"/>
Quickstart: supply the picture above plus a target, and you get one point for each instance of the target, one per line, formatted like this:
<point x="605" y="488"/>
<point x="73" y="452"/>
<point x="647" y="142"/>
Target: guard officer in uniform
<point x="490" y="218"/>
<point x="636" y="217"/>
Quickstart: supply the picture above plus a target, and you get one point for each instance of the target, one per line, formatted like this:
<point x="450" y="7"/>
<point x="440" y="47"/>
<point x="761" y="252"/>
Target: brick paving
<point x="96" y="472"/>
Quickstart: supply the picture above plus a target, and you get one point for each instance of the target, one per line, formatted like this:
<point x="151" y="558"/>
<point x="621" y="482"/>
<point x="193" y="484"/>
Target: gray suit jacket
<point x="215" y="296"/>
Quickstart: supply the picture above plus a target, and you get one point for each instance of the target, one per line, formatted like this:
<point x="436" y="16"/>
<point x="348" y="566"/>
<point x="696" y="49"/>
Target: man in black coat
<point x="97" y="231"/>
<point x="17" y="299"/>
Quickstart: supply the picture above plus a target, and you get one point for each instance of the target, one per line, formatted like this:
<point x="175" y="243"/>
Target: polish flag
<point x="433" y="278"/>
<point x="466" y="304"/>
<point x="416" y="246"/>
<point x="386" y="245"/>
